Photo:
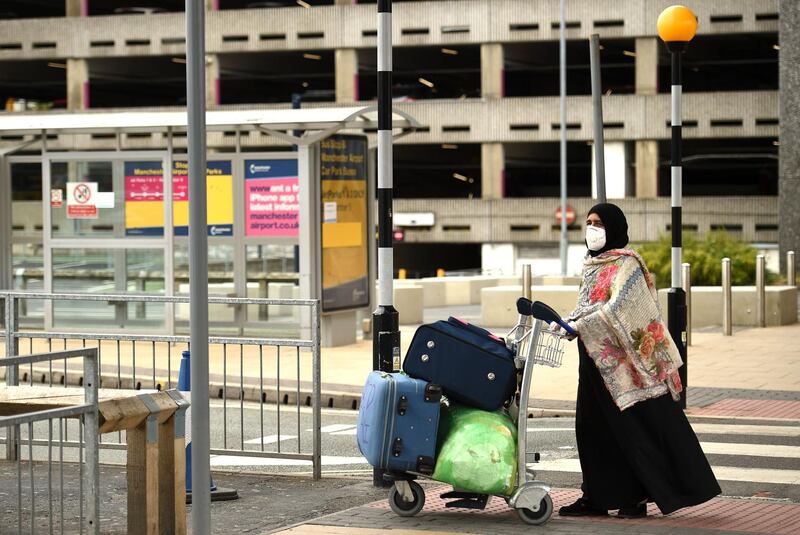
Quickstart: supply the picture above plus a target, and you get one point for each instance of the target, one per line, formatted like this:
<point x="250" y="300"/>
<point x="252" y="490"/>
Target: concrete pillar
<point x="646" y="168"/>
<point x="499" y="258"/>
<point x="789" y="150"/>
<point x="77" y="84"/>
<point x="616" y="159"/>
<point x="213" y="96"/>
<point x="492" y="71"/>
<point x="646" y="65"/>
<point x="493" y="171"/>
<point x="346" y="75"/>
<point x="77" y="8"/>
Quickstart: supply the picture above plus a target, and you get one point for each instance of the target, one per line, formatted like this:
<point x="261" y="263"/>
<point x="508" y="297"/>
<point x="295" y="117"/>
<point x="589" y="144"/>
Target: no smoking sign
<point x="82" y="194"/>
<point x="82" y="200"/>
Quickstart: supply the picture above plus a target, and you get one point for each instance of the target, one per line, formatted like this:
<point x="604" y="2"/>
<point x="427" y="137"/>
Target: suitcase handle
<point x="475" y="329"/>
<point x="433" y="393"/>
<point x="402" y="405"/>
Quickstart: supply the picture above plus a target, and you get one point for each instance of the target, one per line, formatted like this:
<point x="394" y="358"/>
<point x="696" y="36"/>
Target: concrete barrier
<point x="225" y="313"/>
<point x="435" y="291"/>
<point x="280" y="290"/>
<point x="459" y="291"/>
<point x="781" y="305"/>
<point x="498" y="305"/>
<point x="216" y="312"/>
<point x="556" y="280"/>
<point x="454" y="291"/>
<point x="408" y="300"/>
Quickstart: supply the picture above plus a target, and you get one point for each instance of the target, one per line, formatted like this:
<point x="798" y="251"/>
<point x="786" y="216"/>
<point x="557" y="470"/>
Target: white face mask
<point x="595" y="238"/>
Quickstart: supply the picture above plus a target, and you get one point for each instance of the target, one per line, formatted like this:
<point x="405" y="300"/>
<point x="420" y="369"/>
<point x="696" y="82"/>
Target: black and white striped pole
<point x="677" y="26"/>
<point x="385" y="319"/>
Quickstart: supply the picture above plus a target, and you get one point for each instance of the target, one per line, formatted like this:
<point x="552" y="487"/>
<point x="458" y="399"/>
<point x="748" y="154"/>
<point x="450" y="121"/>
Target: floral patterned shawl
<point x="619" y="321"/>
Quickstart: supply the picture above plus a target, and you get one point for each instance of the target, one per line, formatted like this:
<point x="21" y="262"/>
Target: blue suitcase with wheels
<point x="398" y="421"/>
<point x="471" y="364"/>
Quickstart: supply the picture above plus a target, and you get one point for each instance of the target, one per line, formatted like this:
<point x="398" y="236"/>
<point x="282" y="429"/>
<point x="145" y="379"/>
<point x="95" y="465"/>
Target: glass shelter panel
<point x="107" y="271"/>
<point x="26" y="225"/>
<point x="220" y="283"/>
<point x="89" y="199"/>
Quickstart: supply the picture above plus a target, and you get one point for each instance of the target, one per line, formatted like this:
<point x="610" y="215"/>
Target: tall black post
<point x="676" y="299"/>
<point x="385" y="319"/>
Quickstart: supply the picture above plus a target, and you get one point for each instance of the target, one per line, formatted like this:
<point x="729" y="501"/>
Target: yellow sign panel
<point x="336" y="235"/>
<point x="144" y="198"/>
<point x="343" y="192"/>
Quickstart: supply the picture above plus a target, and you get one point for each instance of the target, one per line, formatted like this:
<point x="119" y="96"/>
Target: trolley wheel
<point x="537" y="517"/>
<point x="404" y="508"/>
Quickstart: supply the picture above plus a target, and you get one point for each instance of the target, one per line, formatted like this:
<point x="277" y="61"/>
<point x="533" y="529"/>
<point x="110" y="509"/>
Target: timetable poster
<point x="144" y="198"/>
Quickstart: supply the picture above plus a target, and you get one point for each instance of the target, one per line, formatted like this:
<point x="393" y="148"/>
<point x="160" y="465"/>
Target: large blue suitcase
<point x="472" y="365"/>
<point x="398" y="421"/>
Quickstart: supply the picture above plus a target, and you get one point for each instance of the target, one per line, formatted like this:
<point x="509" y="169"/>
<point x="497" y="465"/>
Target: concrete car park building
<point x="477" y="186"/>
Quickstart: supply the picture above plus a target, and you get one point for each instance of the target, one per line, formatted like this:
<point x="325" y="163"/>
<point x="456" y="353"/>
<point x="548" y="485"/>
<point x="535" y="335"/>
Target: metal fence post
<point x="791" y="269"/>
<point x="198" y="263"/>
<point x="316" y="414"/>
<point x="526" y="281"/>
<point x="727" y="298"/>
<point x="12" y="372"/>
<point x="687" y="287"/>
<point x="761" y="296"/>
<point x="91" y="438"/>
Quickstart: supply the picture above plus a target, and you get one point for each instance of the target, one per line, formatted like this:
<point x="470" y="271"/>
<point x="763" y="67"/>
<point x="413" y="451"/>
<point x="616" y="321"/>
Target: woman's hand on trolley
<point x="556" y="328"/>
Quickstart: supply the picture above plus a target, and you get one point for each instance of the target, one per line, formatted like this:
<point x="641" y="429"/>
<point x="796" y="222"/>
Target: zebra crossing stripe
<point x="736" y="429"/>
<point x="724" y="473"/>
<point x="715" y="429"/>
<point x="751" y="450"/>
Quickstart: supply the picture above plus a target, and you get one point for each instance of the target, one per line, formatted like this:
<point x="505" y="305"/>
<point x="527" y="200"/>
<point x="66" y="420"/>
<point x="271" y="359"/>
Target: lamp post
<point x="677" y="26"/>
<point x="562" y="77"/>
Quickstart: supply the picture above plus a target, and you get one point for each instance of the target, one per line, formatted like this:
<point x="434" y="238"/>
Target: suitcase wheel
<point x="399" y="504"/>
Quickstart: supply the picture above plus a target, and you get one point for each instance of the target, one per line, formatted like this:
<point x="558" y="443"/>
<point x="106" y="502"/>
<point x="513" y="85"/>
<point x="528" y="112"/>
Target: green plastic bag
<point x="477" y="450"/>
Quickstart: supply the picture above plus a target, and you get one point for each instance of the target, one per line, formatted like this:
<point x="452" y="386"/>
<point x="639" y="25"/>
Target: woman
<point x="635" y="443"/>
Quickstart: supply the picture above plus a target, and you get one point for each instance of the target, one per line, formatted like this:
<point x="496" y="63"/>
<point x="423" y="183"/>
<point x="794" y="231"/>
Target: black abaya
<point x="648" y="451"/>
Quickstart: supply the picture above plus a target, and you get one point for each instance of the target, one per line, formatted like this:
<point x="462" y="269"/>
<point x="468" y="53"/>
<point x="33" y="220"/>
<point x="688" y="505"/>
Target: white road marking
<point x="751" y="450"/>
<point x="713" y="429"/>
<point x="725" y="473"/>
<point x="338" y="429"/>
<point x="736" y="429"/>
<point x="352" y="432"/>
<point x="271" y="439"/>
<point x="327" y="460"/>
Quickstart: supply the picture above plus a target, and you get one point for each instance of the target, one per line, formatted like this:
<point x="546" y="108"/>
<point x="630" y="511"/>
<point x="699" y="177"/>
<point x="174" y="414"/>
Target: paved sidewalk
<point x="718" y="516"/>
<point x="751" y="364"/>
<point x="756" y="364"/>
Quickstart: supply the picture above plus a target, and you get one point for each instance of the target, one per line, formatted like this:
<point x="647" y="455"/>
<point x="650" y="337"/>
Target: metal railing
<point x="88" y="454"/>
<point x="240" y="371"/>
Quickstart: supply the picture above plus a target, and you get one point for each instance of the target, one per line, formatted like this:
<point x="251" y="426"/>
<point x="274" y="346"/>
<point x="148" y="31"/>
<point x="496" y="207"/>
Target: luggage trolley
<point x="532" y="343"/>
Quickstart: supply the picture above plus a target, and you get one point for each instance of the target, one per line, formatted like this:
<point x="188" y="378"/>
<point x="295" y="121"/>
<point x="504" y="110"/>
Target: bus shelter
<point x="296" y="222"/>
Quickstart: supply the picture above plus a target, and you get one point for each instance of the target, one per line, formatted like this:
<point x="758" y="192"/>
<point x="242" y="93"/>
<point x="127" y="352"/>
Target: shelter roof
<point x="160" y="121"/>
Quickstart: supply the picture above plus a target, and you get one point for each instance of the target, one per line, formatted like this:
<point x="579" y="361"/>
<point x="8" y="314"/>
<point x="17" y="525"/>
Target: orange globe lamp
<point x="677" y="24"/>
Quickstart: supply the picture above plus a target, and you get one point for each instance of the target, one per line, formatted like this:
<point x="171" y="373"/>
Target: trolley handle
<point x="542" y="312"/>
